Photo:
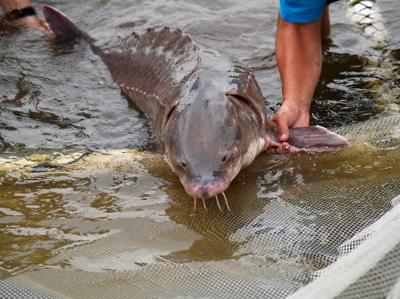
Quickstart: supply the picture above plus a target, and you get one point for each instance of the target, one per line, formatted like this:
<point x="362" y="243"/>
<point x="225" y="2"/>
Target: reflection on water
<point x="72" y="199"/>
<point x="46" y="210"/>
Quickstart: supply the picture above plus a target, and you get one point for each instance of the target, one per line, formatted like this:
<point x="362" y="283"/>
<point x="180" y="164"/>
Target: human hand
<point x="33" y="22"/>
<point x="290" y="115"/>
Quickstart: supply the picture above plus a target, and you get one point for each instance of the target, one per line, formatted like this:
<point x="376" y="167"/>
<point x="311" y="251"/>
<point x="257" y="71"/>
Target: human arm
<point x="28" y="20"/>
<point x="299" y="59"/>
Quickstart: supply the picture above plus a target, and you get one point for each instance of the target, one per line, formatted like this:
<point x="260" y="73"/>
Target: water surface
<point x="121" y="208"/>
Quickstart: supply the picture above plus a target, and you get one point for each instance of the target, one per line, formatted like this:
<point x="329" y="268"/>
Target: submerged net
<point x="314" y="226"/>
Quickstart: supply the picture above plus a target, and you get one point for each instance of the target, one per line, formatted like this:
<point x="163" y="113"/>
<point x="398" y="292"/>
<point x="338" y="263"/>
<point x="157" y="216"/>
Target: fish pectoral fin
<point x="316" y="139"/>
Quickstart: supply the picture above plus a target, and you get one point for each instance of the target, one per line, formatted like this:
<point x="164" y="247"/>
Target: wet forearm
<point x="299" y="58"/>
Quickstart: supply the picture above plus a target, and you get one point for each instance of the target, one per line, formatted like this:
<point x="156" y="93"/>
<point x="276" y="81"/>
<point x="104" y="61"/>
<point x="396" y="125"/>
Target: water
<point x="124" y="199"/>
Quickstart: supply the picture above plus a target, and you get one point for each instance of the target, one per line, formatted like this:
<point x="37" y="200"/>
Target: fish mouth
<point x="205" y="189"/>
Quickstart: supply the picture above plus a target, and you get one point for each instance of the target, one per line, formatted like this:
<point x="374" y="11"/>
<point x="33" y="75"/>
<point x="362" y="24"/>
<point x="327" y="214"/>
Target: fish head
<point x="205" y="143"/>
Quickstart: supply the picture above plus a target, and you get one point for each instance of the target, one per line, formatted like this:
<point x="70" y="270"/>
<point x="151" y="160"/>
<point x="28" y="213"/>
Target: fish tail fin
<point x="62" y="26"/>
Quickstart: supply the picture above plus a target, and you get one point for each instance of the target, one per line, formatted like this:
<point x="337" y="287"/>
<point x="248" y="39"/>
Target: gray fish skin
<point x="208" y="114"/>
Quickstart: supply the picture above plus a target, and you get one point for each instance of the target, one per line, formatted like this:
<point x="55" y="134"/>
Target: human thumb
<point x="283" y="129"/>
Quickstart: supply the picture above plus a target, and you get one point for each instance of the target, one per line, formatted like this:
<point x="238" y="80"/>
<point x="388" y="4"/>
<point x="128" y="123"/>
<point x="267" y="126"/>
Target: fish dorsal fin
<point x="155" y="64"/>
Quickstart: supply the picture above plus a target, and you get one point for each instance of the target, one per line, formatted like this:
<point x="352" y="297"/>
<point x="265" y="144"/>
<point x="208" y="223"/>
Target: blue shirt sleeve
<point x="301" y="11"/>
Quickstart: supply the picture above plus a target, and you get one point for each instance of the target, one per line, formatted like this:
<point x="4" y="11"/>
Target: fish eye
<point x="229" y="156"/>
<point x="226" y="158"/>
<point x="183" y="165"/>
<point x="180" y="165"/>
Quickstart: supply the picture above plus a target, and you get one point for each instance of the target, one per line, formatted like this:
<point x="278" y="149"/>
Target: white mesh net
<point x="316" y="235"/>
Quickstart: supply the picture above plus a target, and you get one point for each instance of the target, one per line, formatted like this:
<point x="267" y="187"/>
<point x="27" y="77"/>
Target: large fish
<point x="208" y="113"/>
